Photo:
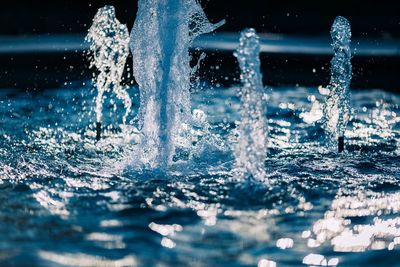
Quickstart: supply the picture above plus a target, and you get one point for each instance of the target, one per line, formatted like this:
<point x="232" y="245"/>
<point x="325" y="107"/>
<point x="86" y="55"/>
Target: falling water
<point x="160" y="40"/>
<point x="109" y="49"/>
<point x="251" y="148"/>
<point x="337" y="105"/>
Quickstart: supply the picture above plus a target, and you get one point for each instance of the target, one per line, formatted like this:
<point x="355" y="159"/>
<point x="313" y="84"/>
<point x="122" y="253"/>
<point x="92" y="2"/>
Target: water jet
<point x="108" y="52"/>
<point x="251" y="147"/>
<point x="337" y="104"/>
<point x="160" y="39"/>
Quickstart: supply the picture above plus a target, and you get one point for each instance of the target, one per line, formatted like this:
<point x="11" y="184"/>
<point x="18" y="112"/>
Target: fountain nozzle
<point x="98" y="131"/>
<point x="341" y="144"/>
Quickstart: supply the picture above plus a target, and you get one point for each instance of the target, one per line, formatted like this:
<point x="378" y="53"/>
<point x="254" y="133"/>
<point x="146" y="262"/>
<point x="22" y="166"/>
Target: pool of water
<point x="66" y="200"/>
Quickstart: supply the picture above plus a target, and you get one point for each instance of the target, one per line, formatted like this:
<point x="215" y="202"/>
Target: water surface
<point x="67" y="200"/>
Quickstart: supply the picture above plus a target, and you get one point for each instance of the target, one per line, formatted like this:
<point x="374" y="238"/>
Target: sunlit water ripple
<point x="67" y="200"/>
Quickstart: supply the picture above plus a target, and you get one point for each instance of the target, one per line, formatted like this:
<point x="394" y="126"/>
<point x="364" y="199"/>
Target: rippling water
<point x="67" y="200"/>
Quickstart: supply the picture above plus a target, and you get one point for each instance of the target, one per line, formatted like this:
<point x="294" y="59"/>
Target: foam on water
<point x="109" y="50"/>
<point x="251" y="147"/>
<point x="337" y="104"/>
<point x="160" y="40"/>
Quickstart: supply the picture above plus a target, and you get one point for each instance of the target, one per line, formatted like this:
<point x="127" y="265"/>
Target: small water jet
<point x="109" y="50"/>
<point x="251" y="148"/>
<point x="160" y="41"/>
<point x="337" y="104"/>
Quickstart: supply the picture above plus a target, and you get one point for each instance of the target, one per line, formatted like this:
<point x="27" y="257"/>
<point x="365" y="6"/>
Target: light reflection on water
<point x="379" y="228"/>
<point x="58" y="186"/>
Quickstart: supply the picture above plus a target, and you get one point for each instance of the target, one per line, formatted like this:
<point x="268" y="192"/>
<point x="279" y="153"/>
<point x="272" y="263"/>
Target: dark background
<point x="375" y="20"/>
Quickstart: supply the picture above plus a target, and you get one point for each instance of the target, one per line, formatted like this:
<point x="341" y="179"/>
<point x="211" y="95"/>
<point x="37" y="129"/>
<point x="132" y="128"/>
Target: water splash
<point x="251" y="148"/>
<point x="337" y="105"/>
<point x="109" y="50"/>
<point x="160" y="40"/>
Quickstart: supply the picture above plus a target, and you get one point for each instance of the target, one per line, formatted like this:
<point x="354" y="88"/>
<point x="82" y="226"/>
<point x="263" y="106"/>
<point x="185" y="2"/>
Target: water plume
<point x="337" y="104"/>
<point x="251" y="147"/>
<point x="159" y="42"/>
<point x="109" y="50"/>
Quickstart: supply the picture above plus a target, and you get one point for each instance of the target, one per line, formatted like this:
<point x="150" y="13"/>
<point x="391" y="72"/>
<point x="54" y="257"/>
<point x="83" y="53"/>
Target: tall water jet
<point x="109" y="50"/>
<point x="160" y="41"/>
<point x="251" y="146"/>
<point x="337" y="104"/>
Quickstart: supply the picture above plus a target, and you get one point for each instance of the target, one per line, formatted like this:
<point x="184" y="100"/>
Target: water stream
<point x="251" y="147"/>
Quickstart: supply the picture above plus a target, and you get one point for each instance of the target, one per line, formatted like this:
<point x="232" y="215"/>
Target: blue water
<point x="66" y="201"/>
